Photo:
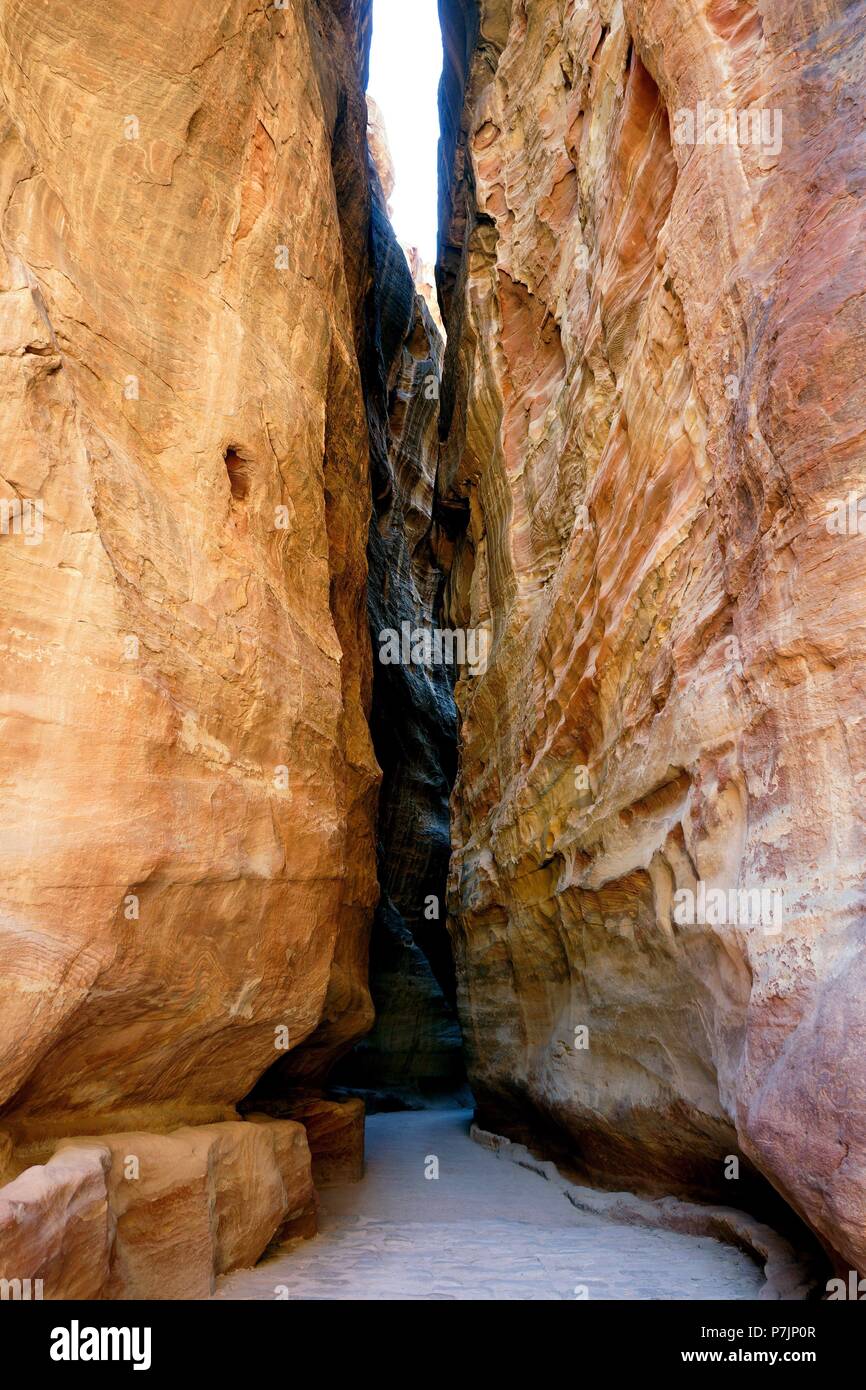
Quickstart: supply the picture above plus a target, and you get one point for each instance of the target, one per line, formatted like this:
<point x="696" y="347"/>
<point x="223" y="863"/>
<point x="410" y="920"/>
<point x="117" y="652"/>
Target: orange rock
<point x="156" y="1216"/>
<point x="335" y="1134"/>
<point x="653" y="408"/>
<point x="56" y="1226"/>
<point x="188" y="824"/>
<point x="190" y="786"/>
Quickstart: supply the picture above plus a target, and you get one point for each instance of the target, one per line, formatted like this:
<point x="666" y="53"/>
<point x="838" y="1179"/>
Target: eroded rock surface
<point x="156" y="1216"/>
<point x="187" y="824"/>
<point x="334" y="1129"/>
<point x="652" y="405"/>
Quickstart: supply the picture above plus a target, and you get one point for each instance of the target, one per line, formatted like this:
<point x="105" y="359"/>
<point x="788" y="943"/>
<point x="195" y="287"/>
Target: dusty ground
<point x="485" y="1229"/>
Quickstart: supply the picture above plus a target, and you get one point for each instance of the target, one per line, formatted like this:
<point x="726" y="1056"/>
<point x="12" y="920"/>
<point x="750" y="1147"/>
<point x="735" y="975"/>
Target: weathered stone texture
<point x="652" y="402"/>
<point x="334" y="1129"/>
<point x="187" y="828"/>
<point x="156" y="1216"/>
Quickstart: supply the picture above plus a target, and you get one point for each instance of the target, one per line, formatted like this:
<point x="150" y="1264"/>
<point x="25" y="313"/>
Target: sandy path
<point x="485" y="1229"/>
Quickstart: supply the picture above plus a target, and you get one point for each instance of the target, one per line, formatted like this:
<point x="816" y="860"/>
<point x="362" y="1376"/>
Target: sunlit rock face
<point x="652" y="404"/>
<point x="380" y="151"/>
<point x="155" y="1216"/>
<point x="190" y="786"/>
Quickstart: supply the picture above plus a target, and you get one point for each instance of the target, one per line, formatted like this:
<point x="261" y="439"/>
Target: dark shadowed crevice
<point x="238" y="470"/>
<point x="413" y="1054"/>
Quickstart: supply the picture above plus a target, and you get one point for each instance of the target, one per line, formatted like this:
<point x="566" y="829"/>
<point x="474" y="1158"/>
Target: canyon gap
<point x="215" y="371"/>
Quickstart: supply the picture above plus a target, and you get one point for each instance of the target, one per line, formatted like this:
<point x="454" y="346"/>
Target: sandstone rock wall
<point x="187" y="824"/>
<point x="651" y="404"/>
<point x="190" y="783"/>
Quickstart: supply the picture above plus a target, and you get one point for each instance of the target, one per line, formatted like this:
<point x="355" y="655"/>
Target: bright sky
<point x="405" y="67"/>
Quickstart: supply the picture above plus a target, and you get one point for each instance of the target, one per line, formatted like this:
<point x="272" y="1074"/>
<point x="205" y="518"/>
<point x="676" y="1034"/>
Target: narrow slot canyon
<point x="433" y="832"/>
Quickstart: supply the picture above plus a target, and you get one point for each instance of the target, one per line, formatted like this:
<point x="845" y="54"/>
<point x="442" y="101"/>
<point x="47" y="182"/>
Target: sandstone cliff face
<point x="189" y="781"/>
<point x="650" y="405"/>
<point x="186" y="755"/>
